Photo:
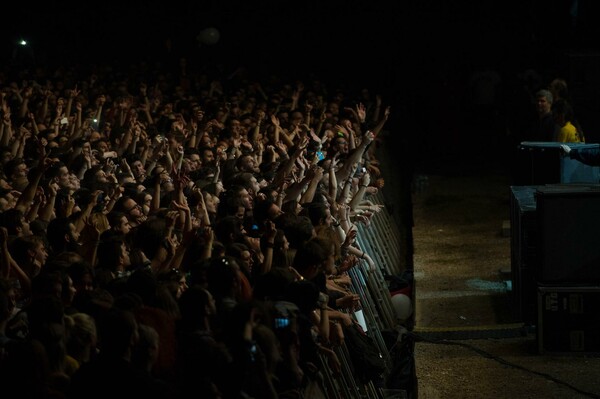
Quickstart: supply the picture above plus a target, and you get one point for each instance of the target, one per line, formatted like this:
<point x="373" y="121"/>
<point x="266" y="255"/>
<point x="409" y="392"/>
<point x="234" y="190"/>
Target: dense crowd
<point x="173" y="231"/>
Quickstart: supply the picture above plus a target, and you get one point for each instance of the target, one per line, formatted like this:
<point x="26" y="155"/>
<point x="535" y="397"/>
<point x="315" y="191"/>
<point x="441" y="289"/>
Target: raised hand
<point x="281" y="147"/>
<point x="314" y="136"/>
<point x="208" y="234"/>
<point x="350" y="301"/>
<point x="125" y="166"/>
<point x="100" y="100"/>
<point x="318" y="172"/>
<point x="369" y="137"/>
<point x="341" y="128"/>
<point x="363" y="219"/>
<point x="171" y="219"/>
<point x="343" y="211"/>
<point x="270" y="230"/>
<point x="387" y="112"/>
<point x="308" y="108"/>
<point x="27" y="92"/>
<point x="74" y="93"/>
<point x="350" y="238"/>
<point x="53" y="189"/>
<point x="275" y="120"/>
<point x="365" y="179"/>
<point x="181" y="206"/>
<point x="143" y="89"/>
<point x="334" y="161"/>
<point x="376" y="208"/>
<point x="303" y="143"/>
<point x="371" y="190"/>
<point x="361" y="111"/>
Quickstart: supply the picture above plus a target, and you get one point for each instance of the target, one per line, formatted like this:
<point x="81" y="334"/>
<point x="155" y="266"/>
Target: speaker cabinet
<point x="568" y="219"/>
<point x="523" y="244"/>
<point x="568" y="320"/>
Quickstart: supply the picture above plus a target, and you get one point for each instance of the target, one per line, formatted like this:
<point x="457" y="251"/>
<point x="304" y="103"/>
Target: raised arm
<point x="350" y="163"/>
<point x="46" y="212"/>
<point x="269" y="240"/>
<point x="26" y="198"/>
<point x="333" y="186"/>
<point x="286" y="169"/>
<point x="296" y="95"/>
<point x="6" y="131"/>
<point x="382" y="121"/>
<point x="365" y="179"/>
<point x="377" y="109"/>
<point x="26" y="93"/>
<point x="316" y="174"/>
<point x="279" y="133"/>
<point x="9" y="268"/>
<point x="260" y="117"/>
<point x="71" y="96"/>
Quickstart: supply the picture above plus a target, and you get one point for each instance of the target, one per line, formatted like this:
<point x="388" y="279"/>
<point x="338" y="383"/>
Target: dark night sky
<point x="320" y="35"/>
<point x="402" y="49"/>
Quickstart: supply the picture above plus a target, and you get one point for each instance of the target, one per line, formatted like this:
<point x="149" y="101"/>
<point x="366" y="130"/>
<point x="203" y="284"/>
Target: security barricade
<point x="383" y="237"/>
<point x="380" y="240"/>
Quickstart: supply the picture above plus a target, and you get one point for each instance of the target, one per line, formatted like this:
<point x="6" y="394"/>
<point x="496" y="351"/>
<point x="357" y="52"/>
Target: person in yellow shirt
<point x="569" y="129"/>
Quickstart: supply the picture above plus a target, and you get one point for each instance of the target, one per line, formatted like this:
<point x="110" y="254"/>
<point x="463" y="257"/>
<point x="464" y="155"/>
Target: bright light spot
<point x="23" y="43"/>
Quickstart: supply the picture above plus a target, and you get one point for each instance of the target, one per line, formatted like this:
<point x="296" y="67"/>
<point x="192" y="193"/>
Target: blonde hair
<point x="81" y="328"/>
<point x="329" y="234"/>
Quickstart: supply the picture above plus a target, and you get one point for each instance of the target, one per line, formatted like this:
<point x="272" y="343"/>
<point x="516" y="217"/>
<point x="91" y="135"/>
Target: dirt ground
<point x="473" y="347"/>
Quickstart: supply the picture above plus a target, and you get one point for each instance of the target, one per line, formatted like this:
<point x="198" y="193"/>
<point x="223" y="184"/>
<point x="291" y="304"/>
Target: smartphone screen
<point x="282" y="322"/>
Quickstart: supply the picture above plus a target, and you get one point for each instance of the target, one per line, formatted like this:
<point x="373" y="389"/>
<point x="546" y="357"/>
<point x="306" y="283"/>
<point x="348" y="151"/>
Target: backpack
<point x="403" y="374"/>
<point x="400" y="283"/>
<point x="367" y="362"/>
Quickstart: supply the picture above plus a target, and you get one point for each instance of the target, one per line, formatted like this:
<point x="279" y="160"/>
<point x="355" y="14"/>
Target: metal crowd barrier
<point x="383" y="239"/>
<point x="380" y="240"/>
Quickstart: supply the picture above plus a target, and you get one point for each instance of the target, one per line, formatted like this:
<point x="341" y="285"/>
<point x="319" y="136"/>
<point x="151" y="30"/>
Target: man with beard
<point x="63" y="236"/>
<point x="131" y="209"/>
